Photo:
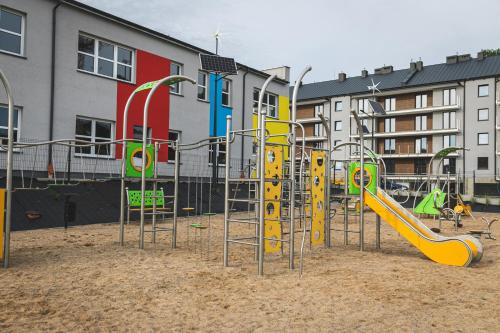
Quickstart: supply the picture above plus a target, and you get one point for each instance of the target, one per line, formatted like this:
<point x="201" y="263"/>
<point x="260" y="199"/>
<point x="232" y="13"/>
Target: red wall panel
<point x="149" y="67"/>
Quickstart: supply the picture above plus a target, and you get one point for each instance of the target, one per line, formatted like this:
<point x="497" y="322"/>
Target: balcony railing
<point x="312" y="120"/>
<point x="412" y="132"/>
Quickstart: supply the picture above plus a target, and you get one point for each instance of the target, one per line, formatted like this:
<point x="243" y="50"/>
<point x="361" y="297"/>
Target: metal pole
<point x="377" y="218"/>
<point x="326" y="206"/>
<point x="10" y="155"/>
<point x="262" y="174"/>
<point x="361" y="182"/>
<point x="298" y="83"/>
<point x="176" y="193"/>
<point x="346" y="207"/>
<point x="155" y="188"/>
<point x="226" y="191"/>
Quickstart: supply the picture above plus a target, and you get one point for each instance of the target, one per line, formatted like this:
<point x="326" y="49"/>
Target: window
<point x="420" y="166"/>
<point x="4" y="126"/>
<point x="482" y="138"/>
<point x="11" y="32"/>
<point x="449" y="120"/>
<point x="336" y="142"/>
<point x="390" y="166"/>
<point x="220" y="151"/>
<point x="338" y="125"/>
<point x="421" y="123"/>
<point x="269" y="102"/>
<point x="389" y="146"/>
<point x="93" y="131"/>
<point x="172" y="136"/>
<point x="421" y="101"/>
<point x="483" y="90"/>
<point x="317" y="145"/>
<point x="363" y="105"/>
<point x="176" y="69"/>
<point x="449" y="165"/>
<point x="338" y="106"/>
<point x="421" y="145"/>
<point x="389" y="125"/>
<point x="449" y="96"/>
<point x="106" y="59"/>
<point x="318" y="109"/>
<point x="137" y="133"/>
<point x="390" y="104"/>
<point x="482" y="114"/>
<point x="449" y="141"/>
<point x="202" y="86"/>
<point x="226" y="95"/>
<point x="318" y="130"/>
<point x="339" y="165"/>
<point x="482" y="163"/>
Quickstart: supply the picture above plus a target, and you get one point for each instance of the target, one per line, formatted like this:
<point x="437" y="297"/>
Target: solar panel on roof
<point x="218" y="64"/>
<point x="377" y="108"/>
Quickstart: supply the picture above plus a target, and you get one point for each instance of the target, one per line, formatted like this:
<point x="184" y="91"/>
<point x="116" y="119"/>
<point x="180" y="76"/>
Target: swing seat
<point x="198" y="226"/>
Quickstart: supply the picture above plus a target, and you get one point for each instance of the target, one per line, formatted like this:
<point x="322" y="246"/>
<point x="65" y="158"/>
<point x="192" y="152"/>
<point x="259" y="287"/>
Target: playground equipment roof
<point x="404" y="78"/>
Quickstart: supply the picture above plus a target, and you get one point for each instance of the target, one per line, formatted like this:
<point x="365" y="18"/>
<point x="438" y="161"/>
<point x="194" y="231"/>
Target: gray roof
<point x="431" y="74"/>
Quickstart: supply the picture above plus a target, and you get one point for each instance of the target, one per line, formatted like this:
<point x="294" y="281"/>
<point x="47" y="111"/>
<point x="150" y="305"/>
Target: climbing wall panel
<point x="318" y="172"/>
<point x="272" y="197"/>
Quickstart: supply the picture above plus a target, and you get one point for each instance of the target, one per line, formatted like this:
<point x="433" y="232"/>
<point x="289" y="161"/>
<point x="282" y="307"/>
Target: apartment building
<point x="72" y="68"/>
<point x="429" y="108"/>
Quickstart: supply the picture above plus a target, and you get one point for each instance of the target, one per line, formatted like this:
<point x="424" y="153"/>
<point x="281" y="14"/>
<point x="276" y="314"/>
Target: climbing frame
<point x="318" y="171"/>
<point x="272" y="199"/>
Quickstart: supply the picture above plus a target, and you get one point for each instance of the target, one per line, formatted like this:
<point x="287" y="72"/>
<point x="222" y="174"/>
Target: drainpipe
<point x="495" y="129"/>
<point x="463" y="132"/>
<point x="243" y="118"/>
<point x="52" y="86"/>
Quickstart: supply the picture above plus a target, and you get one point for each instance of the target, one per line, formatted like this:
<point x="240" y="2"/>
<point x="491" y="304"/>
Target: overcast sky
<point x="331" y="36"/>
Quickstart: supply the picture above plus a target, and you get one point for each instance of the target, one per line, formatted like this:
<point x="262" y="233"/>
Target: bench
<point x="134" y="198"/>
<point x="486" y="232"/>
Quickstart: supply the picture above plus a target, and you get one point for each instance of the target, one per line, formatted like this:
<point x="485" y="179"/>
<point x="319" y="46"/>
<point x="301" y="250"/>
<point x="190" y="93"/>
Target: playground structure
<point x="288" y="187"/>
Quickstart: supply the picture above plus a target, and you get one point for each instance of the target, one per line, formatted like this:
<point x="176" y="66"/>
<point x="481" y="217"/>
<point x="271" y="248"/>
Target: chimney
<point x="453" y="59"/>
<point x="282" y="72"/>
<point x="342" y="76"/>
<point x="384" y="70"/>
<point x="364" y="73"/>
<point x="480" y="55"/>
<point x="464" y="57"/>
<point x="420" y="65"/>
<point x="413" y="66"/>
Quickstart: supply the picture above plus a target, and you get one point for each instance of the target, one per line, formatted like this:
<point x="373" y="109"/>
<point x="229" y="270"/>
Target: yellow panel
<point x="278" y="128"/>
<point x="450" y="251"/>
<point x="2" y="219"/>
<point x="318" y="159"/>
<point x="272" y="214"/>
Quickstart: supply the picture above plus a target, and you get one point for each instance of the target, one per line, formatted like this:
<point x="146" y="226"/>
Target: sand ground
<point x="80" y="279"/>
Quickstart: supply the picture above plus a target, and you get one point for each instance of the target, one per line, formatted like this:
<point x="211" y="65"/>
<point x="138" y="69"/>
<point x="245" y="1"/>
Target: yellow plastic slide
<point x="454" y="251"/>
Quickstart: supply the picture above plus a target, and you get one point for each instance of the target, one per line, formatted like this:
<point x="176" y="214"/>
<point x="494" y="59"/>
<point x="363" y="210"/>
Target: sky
<point x="332" y="36"/>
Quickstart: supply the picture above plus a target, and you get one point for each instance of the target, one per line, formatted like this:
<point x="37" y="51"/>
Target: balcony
<point x="410" y="133"/>
<point x="313" y="120"/>
<point x="429" y="109"/>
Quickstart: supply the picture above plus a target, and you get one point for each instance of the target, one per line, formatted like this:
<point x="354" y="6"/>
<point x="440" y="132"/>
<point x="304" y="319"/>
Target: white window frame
<point x="447" y="140"/>
<point x="149" y="135"/>
<point x="179" y="133"/>
<point x="337" y="128"/>
<point x="228" y="93"/>
<point x="390" y="104"/>
<point x="419" y="144"/>
<point x="479" y="90"/>
<point x="487" y="162"/>
<point x="449" y="96"/>
<point x="22" y="34"/>
<point x="392" y="146"/>
<point x="449" y="120"/>
<point x="421" y="101"/>
<point x="217" y="144"/>
<point x="93" y="138"/>
<point x="115" y="61"/>
<point x="341" y="106"/>
<point x="204" y="87"/>
<point x="421" y="123"/>
<point x="318" y="109"/>
<point x="19" y="119"/>
<point x="479" y="114"/>
<point x="176" y="88"/>
<point x="392" y="125"/>
<point x="483" y="139"/>
<point x="363" y="105"/>
<point x="266" y="103"/>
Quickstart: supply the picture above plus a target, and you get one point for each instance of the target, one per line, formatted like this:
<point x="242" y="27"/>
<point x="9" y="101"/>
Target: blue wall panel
<point x="222" y="111"/>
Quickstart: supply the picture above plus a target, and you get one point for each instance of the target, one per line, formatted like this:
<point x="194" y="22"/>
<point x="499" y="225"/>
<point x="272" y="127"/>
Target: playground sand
<point x="81" y="280"/>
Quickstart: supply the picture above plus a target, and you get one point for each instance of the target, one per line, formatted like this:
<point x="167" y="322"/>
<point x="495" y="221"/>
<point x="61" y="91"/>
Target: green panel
<point x="427" y="206"/>
<point x="370" y="174"/>
<point x="134" y="148"/>
<point x="134" y="198"/>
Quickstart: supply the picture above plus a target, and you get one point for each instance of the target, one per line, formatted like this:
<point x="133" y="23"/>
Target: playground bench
<point x="134" y="202"/>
